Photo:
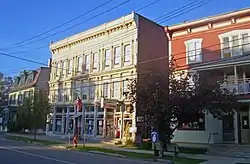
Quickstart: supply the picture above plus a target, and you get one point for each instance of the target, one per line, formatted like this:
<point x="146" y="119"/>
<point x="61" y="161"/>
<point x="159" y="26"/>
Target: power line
<point x="43" y="46"/>
<point x="175" y="10"/>
<point x="56" y="33"/>
<point x="143" y="62"/>
<point x="75" y="18"/>
<point x="147" y="5"/>
<point x="150" y="4"/>
<point x="75" y="25"/>
<point x="185" y="11"/>
<point x="61" y="25"/>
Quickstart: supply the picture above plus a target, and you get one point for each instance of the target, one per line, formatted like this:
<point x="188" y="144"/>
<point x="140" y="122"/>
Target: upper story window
<point x="85" y="91"/>
<point x="117" y="55"/>
<point x="58" y="69"/>
<point x="30" y="78"/>
<point x="107" y="58"/>
<point x="124" y="86"/>
<point x="79" y="64"/>
<point x="92" y="92"/>
<point x="63" y="68"/>
<point x="115" y="91"/>
<point x="193" y="51"/>
<point x="105" y="89"/>
<point x="235" y="43"/>
<point x="87" y="63"/>
<point x="127" y="54"/>
<point x="95" y="61"/>
<point x="70" y="66"/>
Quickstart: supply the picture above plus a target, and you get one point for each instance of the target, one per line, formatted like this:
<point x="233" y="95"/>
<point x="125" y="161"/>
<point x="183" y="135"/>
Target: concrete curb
<point x="110" y="154"/>
<point x="59" y="147"/>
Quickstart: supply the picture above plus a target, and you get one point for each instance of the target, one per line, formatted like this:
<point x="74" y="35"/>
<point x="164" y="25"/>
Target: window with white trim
<point x="63" y="68"/>
<point x="117" y="55"/>
<point x="70" y="66"/>
<point x="95" y="61"/>
<point x="194" y="51"/>
<point x="245" y="43"/>
<point x="105" y="89"/>
<point x="127" y="53"/>
<point x="92" y="92"/>
<point x="87" y="63"/>
<point x="115" y="92"/>
<point x="79" y="64"/>
<point x="85" y="91"/>
<point x="58" y="69"/>
<point x="124" y="86"/>
<point x="235" y="43"/>
<point x="107" y="59"/>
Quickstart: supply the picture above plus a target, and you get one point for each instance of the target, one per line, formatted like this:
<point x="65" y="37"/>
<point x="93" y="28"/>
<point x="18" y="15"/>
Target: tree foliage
<point x="5" y="84"/>
<point x="167" y="104"/>
<point x="33" y="112"/>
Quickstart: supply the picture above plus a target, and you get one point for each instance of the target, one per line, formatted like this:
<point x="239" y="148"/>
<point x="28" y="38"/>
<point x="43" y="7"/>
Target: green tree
<point x="167" y="104"/>
<point x="24" y="115"/>
<point x="5" y="85"/>
<point x="39" y="111"/>
<point x="35" y="110"/>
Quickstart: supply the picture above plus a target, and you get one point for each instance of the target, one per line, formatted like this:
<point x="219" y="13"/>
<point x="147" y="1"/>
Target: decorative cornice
<point x="92" y="36"/>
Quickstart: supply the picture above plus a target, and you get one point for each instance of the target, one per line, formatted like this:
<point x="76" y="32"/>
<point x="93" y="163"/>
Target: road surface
<point x="13" y="152"/>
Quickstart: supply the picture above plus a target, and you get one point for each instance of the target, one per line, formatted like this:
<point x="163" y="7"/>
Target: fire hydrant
<point x="75" y="141"/>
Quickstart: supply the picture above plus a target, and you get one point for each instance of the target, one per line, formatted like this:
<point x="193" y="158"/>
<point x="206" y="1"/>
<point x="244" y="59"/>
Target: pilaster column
<point x="134" y="122"/>
<point x="83" y="121"/>
<point x="47" y="123"/>
<point x="74" y="120"/>
<point x="104" y="122"/>
<point x="236" y="139"/>
<point x="95" y="121"/>
<point x="54" y="119"/>
<point x="236" y="78"/>
<point x="63" y="124"/>
<point x="67" y="119"/>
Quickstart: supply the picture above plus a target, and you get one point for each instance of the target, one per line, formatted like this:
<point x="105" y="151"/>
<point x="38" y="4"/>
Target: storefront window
<point x="99" y="127"/>
<point x="71" y="109"/>
<point x="89" y="126"/>
<point x="58" y="125"/>
<point x="59" y="110"/>
<point x="50" y="124"/>
<point x="99" y="109"/>
<point x="198" y="124"/>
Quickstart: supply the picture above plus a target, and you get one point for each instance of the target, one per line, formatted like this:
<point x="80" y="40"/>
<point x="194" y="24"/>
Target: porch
<point x="236" y="78"/>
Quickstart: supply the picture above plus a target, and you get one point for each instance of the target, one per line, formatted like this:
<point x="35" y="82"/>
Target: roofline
<point x="89" y="31"/>
<point x="210" y="19"/>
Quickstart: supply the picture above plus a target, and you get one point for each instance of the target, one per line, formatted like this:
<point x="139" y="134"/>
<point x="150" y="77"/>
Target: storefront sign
<point x="132" y="129"/>
<point x="109" y="103"/>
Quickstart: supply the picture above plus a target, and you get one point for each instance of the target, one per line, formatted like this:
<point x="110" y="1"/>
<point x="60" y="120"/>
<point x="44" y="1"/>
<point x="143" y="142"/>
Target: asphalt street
<point x="13" y="152"/>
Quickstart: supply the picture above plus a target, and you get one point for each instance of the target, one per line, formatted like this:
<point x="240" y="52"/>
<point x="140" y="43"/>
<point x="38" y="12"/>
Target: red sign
<point x="79" y="104"/>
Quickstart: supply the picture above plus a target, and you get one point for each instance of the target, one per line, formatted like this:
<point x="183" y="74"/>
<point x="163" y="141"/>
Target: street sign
<point x="154" y="136"/>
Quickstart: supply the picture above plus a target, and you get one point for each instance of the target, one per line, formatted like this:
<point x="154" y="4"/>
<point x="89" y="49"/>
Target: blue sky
<point x="23" y="19"/>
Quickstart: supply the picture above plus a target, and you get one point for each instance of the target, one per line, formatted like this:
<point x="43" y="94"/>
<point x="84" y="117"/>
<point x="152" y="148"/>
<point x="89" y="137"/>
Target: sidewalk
<point x="100" y="142"/>
<point x="227" y="160"/>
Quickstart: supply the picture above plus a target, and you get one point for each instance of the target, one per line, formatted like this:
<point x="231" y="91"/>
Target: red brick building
<point x="219" y="46"/>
